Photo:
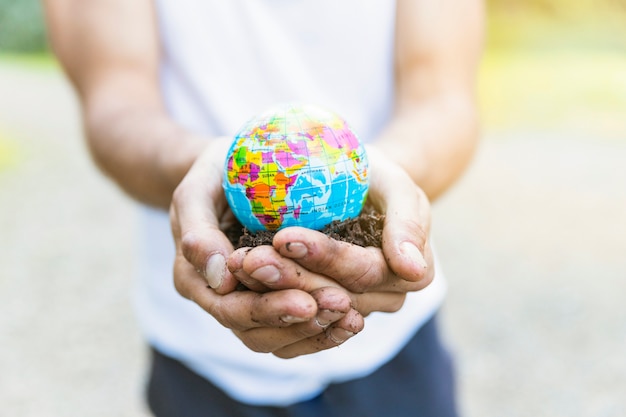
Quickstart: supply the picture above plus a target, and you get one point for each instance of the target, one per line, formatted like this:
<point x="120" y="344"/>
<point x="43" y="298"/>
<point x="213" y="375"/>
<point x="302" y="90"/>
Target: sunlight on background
<point x="555" y="65"/>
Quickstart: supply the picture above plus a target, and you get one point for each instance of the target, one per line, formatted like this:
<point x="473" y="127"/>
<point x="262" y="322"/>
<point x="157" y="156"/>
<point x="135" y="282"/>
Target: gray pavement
<point x="532" y="241"/>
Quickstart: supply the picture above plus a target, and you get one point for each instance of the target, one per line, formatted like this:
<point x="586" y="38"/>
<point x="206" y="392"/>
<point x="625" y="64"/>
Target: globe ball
<point x="295" y="165"/>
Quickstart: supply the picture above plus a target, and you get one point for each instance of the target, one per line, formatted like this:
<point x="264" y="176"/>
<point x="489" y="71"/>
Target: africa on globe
<point x="295" y="165"/>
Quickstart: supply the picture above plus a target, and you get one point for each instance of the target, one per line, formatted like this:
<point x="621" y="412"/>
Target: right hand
<point x="287" y="322"/>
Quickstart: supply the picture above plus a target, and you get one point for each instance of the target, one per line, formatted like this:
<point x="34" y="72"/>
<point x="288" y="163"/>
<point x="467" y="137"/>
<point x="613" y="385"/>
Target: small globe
<point x="295" y="165"/>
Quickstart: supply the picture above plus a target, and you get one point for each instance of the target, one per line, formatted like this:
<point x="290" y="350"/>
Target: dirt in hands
<point x="363" y="230"/>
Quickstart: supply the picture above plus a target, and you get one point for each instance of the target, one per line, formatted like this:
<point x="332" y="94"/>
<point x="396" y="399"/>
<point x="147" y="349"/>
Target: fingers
<point x="332" y="305"/>
<point x="405" y="235"/>
<point x="274" y="272"/>
<point x="262" y="268"/>
<point x="244" y="310"/>
<point x="351" y="324"/>
<point x="268" y="322"/>
<point x="356" y="268"/>
<point x="407" y="219"/>
<point x="197" y="206"/>
<point x="388" y="302"/>
<point x="334" y="323"/>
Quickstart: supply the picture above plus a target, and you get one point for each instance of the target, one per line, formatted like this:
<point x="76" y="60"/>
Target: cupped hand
<point x="307" y="259"/>
<point x="264" y="269"/>
<point x="289" y="322"/>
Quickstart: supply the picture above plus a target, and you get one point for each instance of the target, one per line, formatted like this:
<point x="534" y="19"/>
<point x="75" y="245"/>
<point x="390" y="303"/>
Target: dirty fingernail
<point x="292" y="319"/>
<point x="296" y="249"/>
<point x="326" y="317"/>
<point x="339" y="335"/>
<point x="215" y="270"/>
<point x="413" y="253"/>
<point x="266" y="274"/>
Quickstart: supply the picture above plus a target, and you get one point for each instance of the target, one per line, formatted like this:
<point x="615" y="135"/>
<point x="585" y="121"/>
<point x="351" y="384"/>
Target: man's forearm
<point x="434" y="129"/>
<point x="141" y="149"/>
<point x="110" y="52"/>
<point x="433" y="141"/>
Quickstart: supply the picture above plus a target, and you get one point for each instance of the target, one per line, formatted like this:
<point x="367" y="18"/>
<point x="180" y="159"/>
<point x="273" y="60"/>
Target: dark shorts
<point x="418" y="382"/>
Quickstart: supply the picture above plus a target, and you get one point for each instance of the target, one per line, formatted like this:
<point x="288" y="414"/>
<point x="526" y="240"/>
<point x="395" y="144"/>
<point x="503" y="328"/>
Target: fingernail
<point x="266" y="274"/>
<point x="293" y="319"/>
<point x="339" y="335"/>
<point x="413" y="253"/>
<point x="215" y="270"/>
<point x="296" y="249"/>
<point x="247" y="282"/>
<point x="326" y="317"/>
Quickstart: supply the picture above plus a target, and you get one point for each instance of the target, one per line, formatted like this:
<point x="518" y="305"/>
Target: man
<point x="163" y="84"/>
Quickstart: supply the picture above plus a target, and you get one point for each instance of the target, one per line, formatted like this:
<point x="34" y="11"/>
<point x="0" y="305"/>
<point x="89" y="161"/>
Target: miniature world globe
<point x="295" y="165"/>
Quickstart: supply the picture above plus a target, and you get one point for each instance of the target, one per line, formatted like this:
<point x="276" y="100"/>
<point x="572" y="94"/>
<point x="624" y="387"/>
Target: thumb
<point x="197" y="205"/>
<point x="407" y="219"/>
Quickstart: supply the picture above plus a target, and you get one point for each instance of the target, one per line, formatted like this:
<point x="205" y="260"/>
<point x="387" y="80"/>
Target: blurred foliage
<point x="21" y="26"/>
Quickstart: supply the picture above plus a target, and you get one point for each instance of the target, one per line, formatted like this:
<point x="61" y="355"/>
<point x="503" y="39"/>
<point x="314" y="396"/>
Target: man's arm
<point x="110" y="51"/>
<point x="434" y="129"/>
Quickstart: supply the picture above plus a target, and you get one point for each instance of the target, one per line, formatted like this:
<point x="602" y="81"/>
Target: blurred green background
<point x="21" y="26"/>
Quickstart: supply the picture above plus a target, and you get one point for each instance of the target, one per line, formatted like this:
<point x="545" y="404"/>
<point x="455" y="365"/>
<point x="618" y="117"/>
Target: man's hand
<point x="377" y="279"/>
<point x="288" y="322"/>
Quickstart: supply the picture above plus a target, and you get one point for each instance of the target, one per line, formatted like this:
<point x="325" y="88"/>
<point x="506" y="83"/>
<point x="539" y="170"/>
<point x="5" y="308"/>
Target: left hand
<point x="377" y="279"/>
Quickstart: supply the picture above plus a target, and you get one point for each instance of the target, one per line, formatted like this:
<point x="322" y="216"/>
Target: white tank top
<point x="223" y="62"/>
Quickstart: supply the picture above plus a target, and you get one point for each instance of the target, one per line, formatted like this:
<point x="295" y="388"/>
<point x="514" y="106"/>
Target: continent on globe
<point x="295" y="165"/>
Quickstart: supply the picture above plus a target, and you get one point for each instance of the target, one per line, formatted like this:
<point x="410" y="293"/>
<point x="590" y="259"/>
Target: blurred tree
<point x="21" y="26"/>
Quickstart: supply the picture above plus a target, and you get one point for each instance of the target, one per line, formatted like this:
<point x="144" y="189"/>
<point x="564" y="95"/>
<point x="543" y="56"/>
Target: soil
<point x="364" y="230"/>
